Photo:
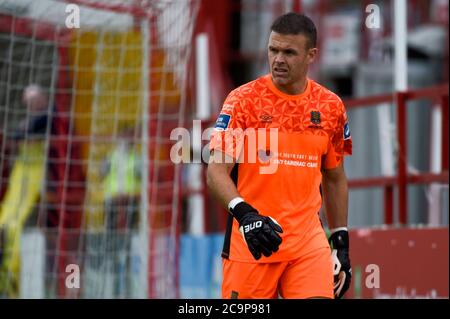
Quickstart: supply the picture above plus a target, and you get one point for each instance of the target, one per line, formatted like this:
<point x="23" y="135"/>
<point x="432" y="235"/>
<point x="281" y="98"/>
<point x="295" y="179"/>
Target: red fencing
<point x="438" y="94"/>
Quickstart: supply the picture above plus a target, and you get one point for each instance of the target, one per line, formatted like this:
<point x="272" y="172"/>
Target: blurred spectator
<point x="25" y="184"/>
<point x="121" y="172"/>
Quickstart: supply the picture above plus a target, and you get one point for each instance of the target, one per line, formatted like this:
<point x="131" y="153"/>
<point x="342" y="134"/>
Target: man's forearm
<point x="336" y="201"/>
<point x="222" y="186"/>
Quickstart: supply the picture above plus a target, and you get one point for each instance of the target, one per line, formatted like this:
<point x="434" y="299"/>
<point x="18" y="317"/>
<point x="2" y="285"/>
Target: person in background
<point x="121" y="172"/>
<point x="25" y="183"/>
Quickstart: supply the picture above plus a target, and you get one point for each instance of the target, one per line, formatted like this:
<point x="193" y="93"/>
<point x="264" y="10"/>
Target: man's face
<point x="34" y="99"/>
<point x="289" y="58"/>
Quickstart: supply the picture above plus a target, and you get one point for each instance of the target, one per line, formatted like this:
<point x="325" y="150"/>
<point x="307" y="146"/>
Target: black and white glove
<point x="342" y="269"/>
<point x="261" y="233"/>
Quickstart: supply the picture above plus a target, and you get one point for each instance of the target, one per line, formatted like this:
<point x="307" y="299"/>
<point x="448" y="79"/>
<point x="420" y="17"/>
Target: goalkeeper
<point x="274" y="241"/>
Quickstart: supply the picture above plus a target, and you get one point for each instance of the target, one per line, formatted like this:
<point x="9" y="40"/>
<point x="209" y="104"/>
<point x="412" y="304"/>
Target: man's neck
<point x="295" y="89"/>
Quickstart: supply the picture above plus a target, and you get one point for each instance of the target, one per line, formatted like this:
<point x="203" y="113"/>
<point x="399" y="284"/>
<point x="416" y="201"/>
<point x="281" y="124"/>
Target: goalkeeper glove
<point x="260" y="232"/>
<point x="342" y="270"/>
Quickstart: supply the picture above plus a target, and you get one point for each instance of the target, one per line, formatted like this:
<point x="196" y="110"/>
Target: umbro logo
<point x="266" y="118"/>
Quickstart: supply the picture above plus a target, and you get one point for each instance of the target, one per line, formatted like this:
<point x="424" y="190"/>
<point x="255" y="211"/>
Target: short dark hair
<point x="296" y="23"/>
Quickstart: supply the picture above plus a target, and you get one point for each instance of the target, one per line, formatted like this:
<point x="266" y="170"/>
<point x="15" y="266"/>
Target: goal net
<point x="89" y="199"/>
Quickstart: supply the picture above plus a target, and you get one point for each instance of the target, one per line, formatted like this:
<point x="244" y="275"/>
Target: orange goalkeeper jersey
<point x="280" y="143"/>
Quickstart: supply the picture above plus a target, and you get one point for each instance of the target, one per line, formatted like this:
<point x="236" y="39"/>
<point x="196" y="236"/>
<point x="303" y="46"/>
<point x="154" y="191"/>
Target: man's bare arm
<point x="335" y="191"/>
<point x="218" y="177"/>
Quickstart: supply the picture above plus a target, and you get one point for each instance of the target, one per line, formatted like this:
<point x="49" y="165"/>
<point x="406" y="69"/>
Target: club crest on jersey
<point x="222" y="122"/>
<point x="346" y="131"/>
<point x="315" y="117"/>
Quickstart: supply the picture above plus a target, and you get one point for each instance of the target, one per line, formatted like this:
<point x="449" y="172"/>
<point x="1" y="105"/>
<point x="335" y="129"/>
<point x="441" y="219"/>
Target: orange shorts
<point x="306" y="277"/>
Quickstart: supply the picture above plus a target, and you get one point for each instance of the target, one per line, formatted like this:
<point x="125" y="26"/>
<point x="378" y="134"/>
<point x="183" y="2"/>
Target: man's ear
<point x="312" y="53"/>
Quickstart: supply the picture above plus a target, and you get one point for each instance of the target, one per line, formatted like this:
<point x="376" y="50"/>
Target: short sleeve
<point x="340" y="143"/>
<point x="229" y="127"/>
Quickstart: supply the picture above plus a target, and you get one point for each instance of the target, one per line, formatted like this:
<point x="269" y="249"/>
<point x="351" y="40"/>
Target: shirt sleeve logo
<point x="347" y="131"/>
<point x="222" y="122"/>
